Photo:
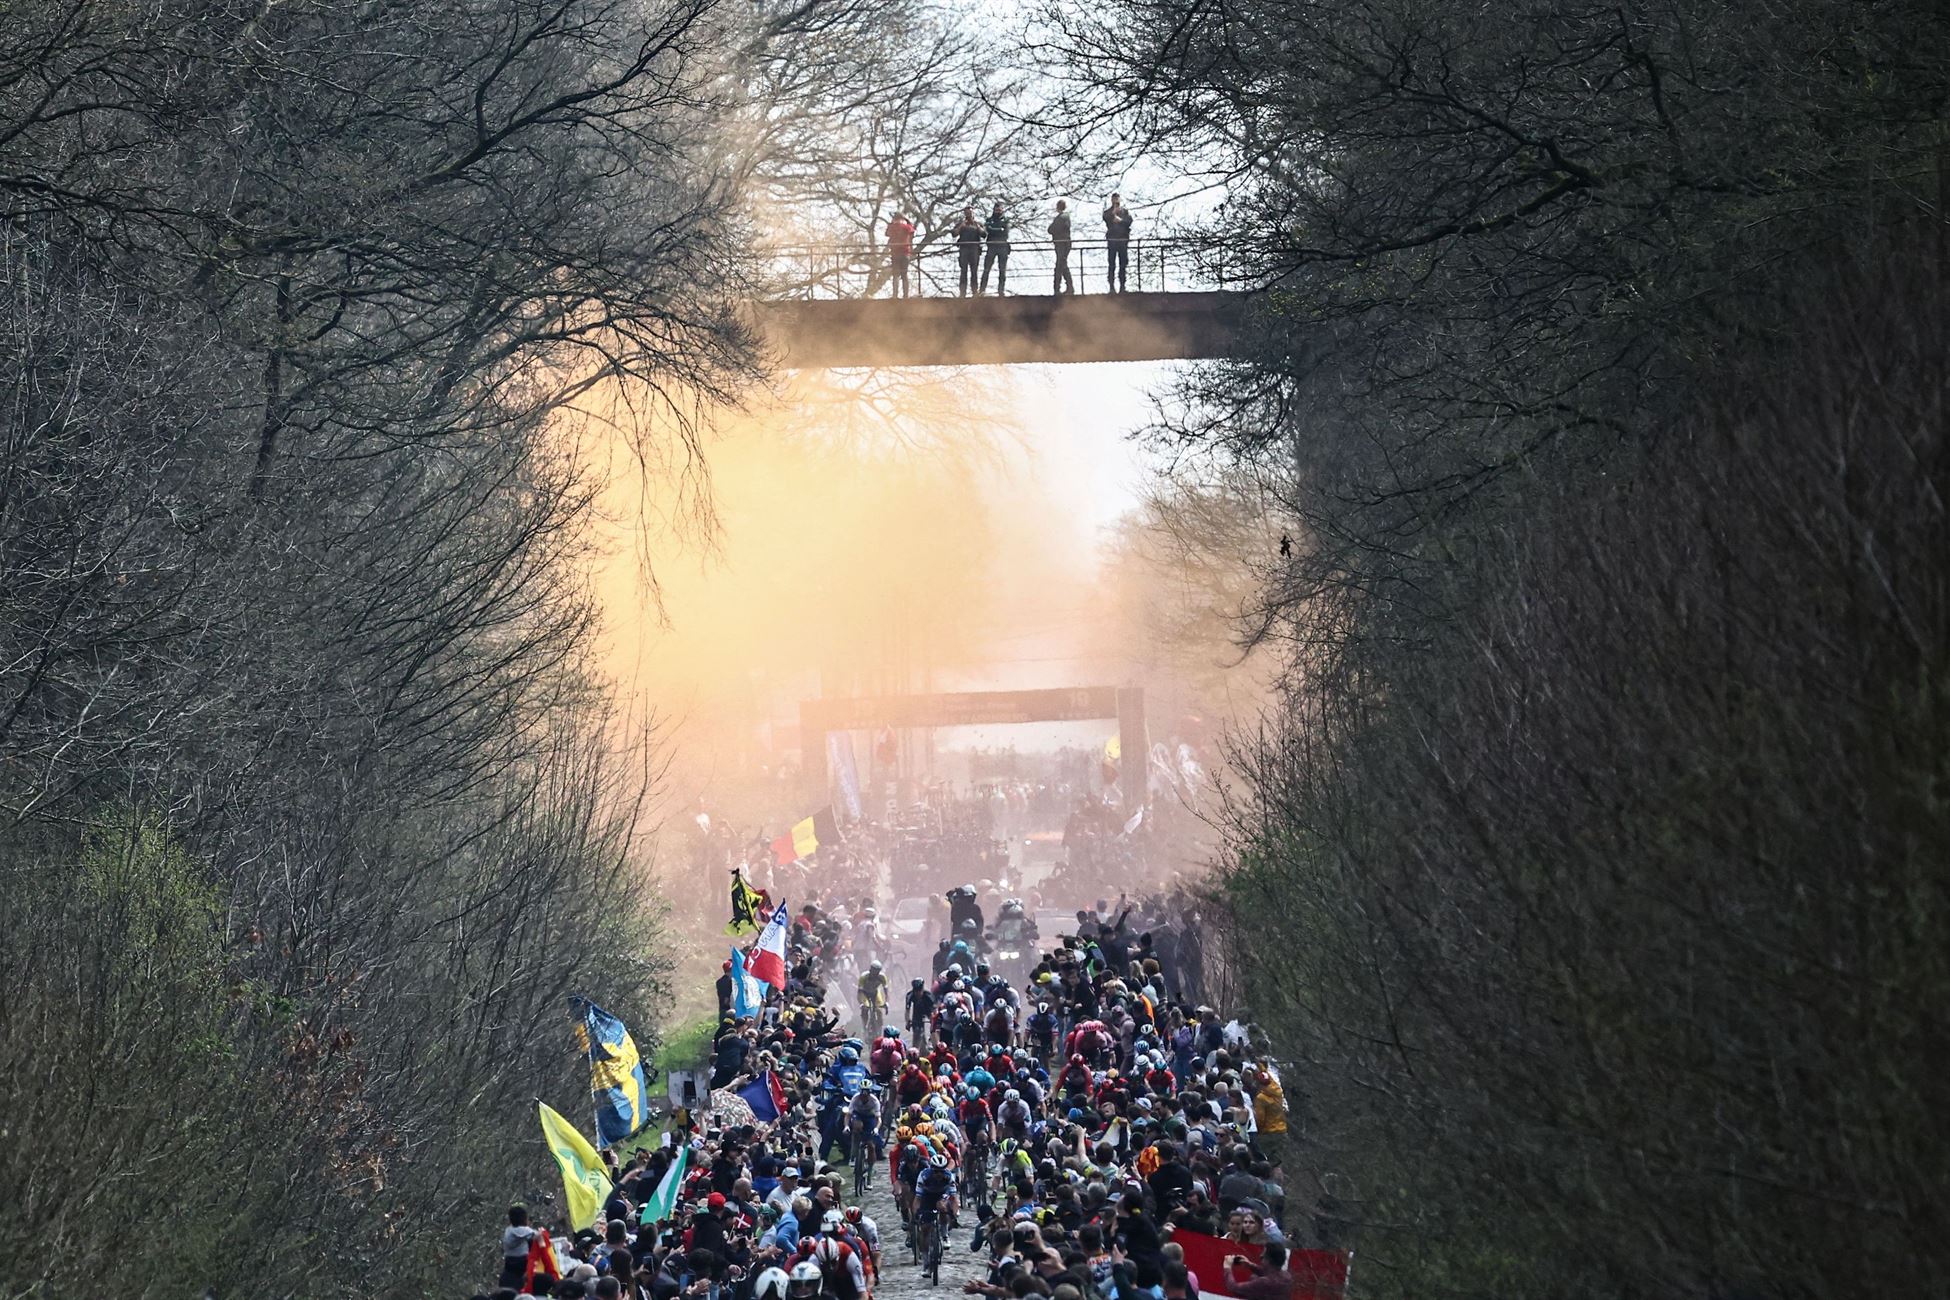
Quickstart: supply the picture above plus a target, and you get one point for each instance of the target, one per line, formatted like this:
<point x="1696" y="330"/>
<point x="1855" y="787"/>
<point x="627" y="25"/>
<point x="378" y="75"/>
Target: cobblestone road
<point x="900" y="1279"/>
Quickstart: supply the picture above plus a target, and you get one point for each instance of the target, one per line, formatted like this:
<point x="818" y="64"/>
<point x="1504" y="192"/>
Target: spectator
<point x="1117" y="243"/>
<point x="1059" y="234"/>
<point x="900" y="250"/>
<point x="968" y="245"/>
<point x="996" y="229"/>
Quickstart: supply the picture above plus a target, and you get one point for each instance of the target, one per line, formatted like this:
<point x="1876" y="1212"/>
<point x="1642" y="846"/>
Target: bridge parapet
<point x="826" y="333"/>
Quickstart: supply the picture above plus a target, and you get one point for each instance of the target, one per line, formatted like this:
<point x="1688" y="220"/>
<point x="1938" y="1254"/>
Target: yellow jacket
<point x="1269" y="1107"/>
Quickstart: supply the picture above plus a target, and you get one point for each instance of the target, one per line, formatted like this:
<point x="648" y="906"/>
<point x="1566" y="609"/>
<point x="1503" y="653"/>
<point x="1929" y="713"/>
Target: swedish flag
<point x="617" y="1080"/>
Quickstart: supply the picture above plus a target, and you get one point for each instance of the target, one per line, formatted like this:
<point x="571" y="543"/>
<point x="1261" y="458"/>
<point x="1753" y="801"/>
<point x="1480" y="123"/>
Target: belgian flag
<point x="805" y="837"/>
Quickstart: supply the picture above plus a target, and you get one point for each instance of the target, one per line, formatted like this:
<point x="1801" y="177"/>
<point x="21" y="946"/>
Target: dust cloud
<point x="887" y="532"/>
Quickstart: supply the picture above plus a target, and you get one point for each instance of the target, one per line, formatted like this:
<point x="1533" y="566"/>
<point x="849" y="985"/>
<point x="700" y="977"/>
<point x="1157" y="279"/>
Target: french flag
<point x="768" y="956"/>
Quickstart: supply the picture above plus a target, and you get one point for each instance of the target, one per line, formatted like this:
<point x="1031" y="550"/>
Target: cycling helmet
<point x="805" y="1281"/>
<point x="832" y="1221"/>
<point x="852" y="1214"/>
<point x="917" y="982"/>
<point x="1012" y="1095"/>
<point x="771" y="1285"/>
<point x="889" y="1031"/>
<point x="954" y="968"/>
<point x="938" y="1160"/>
<point x="981" y="968"/>
<point x="1043" y="1007"/>
<point x="848" y="1056"/>
<point x="875" y="967"/>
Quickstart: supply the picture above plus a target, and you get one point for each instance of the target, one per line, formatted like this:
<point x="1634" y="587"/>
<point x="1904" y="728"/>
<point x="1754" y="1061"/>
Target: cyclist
<point x="863" y="1124"/>
<point x="772" y="1284"/>
<point x="867" y="1233"/>
<point x="999" y="1025"/>
<point x="920" y="1008"/>
<point x="804" y="1282"/>
<point x="886" y="1056"/>
<point x="1042" y="1031"/>
<point x="1017" y="1164"/>
<point x="1013" y="1116"/>
<point x="913" y="1084"/>
<point x="840" y="1265"/>
<point x="872" y="990"/>
<point x="934" y="1191"/>
<point x="909" y="1160"/>
<point x="974" y="1116"/>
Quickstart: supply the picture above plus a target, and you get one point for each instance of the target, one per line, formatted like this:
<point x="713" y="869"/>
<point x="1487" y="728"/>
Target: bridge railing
<point x="1168" y="264"/>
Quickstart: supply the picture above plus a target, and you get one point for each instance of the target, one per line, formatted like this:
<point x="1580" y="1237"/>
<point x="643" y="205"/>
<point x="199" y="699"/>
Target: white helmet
<point x="805" y="1282"/>
<point x="771" y="1285"/>
<point x="832" y="1221"/>
<point x="875" y="967"/>
<point x="938" y="1160"/>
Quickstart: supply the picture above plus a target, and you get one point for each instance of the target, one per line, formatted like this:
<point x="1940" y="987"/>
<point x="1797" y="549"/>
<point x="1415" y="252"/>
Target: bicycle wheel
<point x="934" y="1256"/>
<point x="860" y="1163"/>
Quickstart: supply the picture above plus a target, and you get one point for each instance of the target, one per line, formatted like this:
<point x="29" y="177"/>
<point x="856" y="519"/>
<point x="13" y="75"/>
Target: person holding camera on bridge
<point x="968" y="246"/>
<point x="900" y="250"/>
<point x="997" y="230"/>
<point x="1117" y="243"/>
<point x="1059" y="234"/>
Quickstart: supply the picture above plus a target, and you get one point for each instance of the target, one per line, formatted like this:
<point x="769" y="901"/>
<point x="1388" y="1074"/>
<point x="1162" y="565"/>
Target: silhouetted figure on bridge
<point x="968" y="245"/>
<point x="1286" y="547"/>
<point x="1059" y="233"/>
<point x="900" y="250"/>
<point x="1117" y="243"/>
<point x="997" y="256"/>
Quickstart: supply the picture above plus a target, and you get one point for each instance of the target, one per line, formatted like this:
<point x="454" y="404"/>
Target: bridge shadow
<point x="1025" y="330"/>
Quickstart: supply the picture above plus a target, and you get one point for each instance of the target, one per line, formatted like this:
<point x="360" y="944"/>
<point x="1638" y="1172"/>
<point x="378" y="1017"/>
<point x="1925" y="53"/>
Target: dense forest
<point x="1592" y="866"/>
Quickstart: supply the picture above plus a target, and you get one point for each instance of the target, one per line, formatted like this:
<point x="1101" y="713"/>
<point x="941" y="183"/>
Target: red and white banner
<point x="768" y="955"/>
<point x="1220" y="1265"/>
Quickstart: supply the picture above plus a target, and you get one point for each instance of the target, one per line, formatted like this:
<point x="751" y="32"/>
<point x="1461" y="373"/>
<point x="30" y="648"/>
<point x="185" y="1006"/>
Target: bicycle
<point x="861" y="1158"/>
<point x="975" y="1161"/>
<point x="927" y="1245"/>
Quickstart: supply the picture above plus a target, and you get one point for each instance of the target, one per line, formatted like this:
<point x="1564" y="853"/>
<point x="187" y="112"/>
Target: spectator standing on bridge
<point x="900" y="249"/>
<point x="1117" y="242"/>
<point x="968" y="244"/>
<point x="1059" y="233"/>
<point x="997" y="256"/>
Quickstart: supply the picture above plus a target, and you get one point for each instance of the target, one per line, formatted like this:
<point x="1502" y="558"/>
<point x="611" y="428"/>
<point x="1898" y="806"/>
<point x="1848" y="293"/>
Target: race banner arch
<point x="976" y="708"/>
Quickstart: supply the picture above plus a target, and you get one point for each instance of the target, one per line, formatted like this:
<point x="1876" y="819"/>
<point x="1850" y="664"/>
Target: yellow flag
<point x="584" y="1179"/>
